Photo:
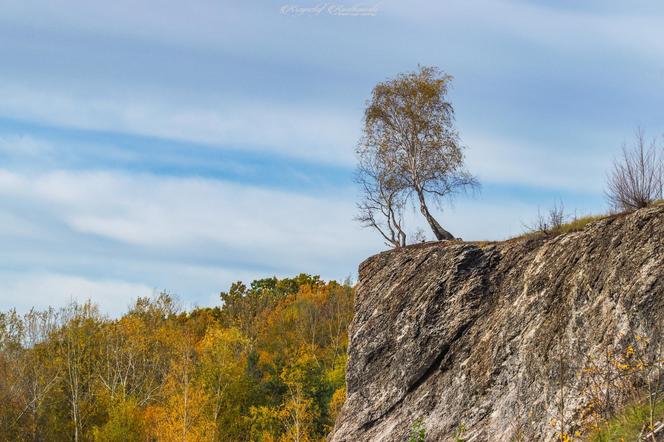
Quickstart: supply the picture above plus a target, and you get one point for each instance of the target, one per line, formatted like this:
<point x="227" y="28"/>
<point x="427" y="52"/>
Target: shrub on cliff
<point x="637" y="177"/>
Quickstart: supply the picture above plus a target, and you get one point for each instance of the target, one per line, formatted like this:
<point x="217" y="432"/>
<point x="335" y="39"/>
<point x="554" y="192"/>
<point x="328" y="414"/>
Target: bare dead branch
<point x="548" y="222"/>
<point x="637" y="176"/>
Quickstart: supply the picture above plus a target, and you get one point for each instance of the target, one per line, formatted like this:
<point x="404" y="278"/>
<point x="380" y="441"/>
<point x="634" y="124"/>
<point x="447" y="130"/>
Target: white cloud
<point x="202" y="23"/>
<point x="9" y="181"/>
<point x="190" y="236"/>
<point x="257" y="225"/>
<point x="593" y="29"/>
<point x="497" y="160"/>
<point x="15" y="226"/>
<point x="217" y="24"/>
<point x="24" y="146"/>
<point x="313" y="134"/>
<point x="23" y="290"/>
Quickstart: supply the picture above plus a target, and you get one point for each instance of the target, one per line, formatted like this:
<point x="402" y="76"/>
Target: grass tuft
<point x="628" y="425"/>
<point x="577" y="224"/>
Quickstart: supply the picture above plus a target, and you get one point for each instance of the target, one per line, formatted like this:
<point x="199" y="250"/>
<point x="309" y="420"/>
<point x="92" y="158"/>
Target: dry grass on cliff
<point x="628" y="425"/>
<point x="576" y="225"/>
<point x="553" y="225"/>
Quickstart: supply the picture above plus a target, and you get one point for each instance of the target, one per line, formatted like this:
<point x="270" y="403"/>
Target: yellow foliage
<point x="337" y="401"/>
<point x="265" y="367"/>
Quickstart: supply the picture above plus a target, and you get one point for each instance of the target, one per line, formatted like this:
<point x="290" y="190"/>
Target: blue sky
<point x="180" y="146"/>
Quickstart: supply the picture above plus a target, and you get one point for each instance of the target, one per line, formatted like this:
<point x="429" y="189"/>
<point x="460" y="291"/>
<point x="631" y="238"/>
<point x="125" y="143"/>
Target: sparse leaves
<point x="409" y="153"/>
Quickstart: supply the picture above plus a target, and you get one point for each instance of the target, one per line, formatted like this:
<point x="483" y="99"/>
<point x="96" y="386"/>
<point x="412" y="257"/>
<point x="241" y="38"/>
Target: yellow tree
<point x="12" y="371"/>
<point x="307" y="332"/>
<point x="125" y="423"/>
<point x="300" y="408"/>
<point x="222" y="362"/>
<point x="181" y="417"/>
<point x="78" y="353"/>
<point x="42" y="373"/>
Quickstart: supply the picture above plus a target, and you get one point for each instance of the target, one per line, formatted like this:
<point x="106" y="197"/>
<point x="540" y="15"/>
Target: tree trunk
<point x="440" y="233"/>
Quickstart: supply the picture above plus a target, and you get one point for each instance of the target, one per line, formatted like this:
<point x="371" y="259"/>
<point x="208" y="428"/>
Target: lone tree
<point x="637" y="177"/>
<point x="409" y="152"/>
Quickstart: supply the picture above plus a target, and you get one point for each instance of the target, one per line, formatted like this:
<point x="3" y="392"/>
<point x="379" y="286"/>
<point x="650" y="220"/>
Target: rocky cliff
<point x="491" y="337"/>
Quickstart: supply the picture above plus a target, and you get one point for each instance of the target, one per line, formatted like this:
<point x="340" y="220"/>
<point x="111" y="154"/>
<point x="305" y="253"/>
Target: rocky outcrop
<point x="480" y="336"/>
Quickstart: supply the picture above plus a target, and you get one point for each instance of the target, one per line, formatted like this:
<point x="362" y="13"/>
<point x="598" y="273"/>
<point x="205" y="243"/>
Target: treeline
<point x="268" y="365"/>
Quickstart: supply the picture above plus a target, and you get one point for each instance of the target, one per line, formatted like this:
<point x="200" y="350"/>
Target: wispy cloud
<point x="153" y="229"/>
<point x="566" y="26"/>
<point x="184" y="146"/>
<point x="578" y="168"/>
<point x="171" y="212"/>
<point x="313" y="134"/>
<point x="24" y="290"/>
<point x="24" y="147"/>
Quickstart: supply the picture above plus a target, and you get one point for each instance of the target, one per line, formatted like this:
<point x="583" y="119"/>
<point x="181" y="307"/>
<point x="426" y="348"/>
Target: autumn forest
<point x="268" y="364"/>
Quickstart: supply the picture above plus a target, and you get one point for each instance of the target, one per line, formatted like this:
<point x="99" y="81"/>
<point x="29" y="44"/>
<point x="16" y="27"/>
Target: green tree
<point x="124" y="423"/>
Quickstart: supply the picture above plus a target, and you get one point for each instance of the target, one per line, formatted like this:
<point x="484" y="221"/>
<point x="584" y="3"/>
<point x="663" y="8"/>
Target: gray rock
<point x="473" y="334"/>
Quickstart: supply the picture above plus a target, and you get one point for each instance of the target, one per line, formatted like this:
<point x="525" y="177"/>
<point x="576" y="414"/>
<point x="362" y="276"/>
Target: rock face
<point x="475" y="336"/>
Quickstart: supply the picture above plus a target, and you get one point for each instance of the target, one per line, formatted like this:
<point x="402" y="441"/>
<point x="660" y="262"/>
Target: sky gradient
<point x="180" y="146"/>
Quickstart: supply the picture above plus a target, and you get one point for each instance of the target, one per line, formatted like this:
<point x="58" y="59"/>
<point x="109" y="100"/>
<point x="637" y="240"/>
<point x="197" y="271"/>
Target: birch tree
<point x="410" y="151"/>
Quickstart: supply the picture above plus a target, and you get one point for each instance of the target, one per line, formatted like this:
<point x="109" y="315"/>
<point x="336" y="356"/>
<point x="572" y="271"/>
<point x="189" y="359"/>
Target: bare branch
<point x="381" y="199"/>
<point x="550" y="222"/>
<point x="637" y="176"/>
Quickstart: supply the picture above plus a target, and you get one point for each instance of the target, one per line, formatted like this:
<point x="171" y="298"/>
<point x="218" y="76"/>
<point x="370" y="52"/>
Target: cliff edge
<point x="474" y="337"/>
